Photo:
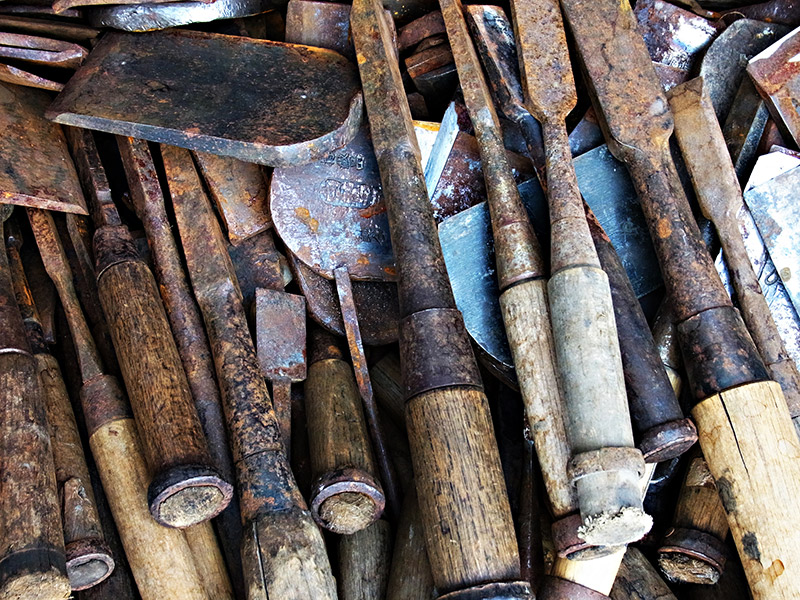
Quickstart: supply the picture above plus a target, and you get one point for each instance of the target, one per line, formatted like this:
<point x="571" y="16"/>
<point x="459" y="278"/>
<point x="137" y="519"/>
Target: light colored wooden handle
<point x="597" y="416"/>
<point x="753" y="453"/>
<point x="597" y="574"/>
<point x="364" y="563"/>
<point x="526" y="316"/>
<point x="209" y="561"/>
<point x="468" y="529"/>
<point x="160" y="558"/>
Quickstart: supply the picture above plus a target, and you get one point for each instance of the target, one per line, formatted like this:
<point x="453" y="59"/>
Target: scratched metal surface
<point x="281" y="334"/>
<point x="259" y="101"/>
<point x="154" y="16"/>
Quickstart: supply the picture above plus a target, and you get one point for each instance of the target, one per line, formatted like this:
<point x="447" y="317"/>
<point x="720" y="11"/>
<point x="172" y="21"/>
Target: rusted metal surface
<point x="344" y="289"/>
<point x="38" y="9"/>
<point x="62" y="5"/>
<point x="776" y="73"/>
<point x="784" y="12"/>
<point x="744" y="128"/>
<point x="320" y="24"/>
<point x="284" y="105"/>
<point x="417" y="30"/>
<point x="332" y="213"/>
<point x="11" y="74"/>
<point x="722" y="67"/>
<point x="586" y="135"/>
<point x="428" y="59"/>
<point x="41" y="50"/>
<point x="60" y="30"/>
<point x="241" y="193"/>
<point x="35" y="166"/>
<point x="154" y="16"/>
<point x="13" y="333"/>
<point x="720" y="199"/>
<point x="376" y="304"/>
<point x="257" y="264"/>
<point x="675" y="38"/>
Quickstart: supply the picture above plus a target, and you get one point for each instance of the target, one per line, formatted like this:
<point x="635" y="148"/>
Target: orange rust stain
<point x="363" y="260"/>
<point x="776" y="569"/>
<point x="371" y="211"/>
<point x="390" y="271"/>
<point x="664" y="228"/>
<point x="302" y="213"/>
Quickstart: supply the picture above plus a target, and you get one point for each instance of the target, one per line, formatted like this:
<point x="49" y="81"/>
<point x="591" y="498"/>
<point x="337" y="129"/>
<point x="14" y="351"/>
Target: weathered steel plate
<point x="35" y="165"/>
<point x="331" y="213"/>
<point x="259" y="101"/>
<point x="241" y="193"/>
<point x="776" y="73"/>
<point x="723" y="66"/>
<point x="281" y="334"/>
<point x="776" y="212"/>
<point x="153" y="16"/>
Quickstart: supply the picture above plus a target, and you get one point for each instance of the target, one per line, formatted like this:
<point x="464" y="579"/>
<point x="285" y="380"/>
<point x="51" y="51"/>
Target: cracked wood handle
<point x="364" y="562"/>
<point x="753" y="453"/>
<point x="160" y="557"/>
<point x="186" y="488"/>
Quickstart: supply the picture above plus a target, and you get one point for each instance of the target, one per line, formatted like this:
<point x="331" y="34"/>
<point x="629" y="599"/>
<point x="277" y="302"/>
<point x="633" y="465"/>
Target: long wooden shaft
<point x="283" y="554"/>
<point x="364" y="560"/>
<point x="467" y="519"/>
<point x="741" y="415"/>
<point x="32" y="556"/>
<point x="638" y="580"/>
<point x="706" y="156"/>
<point x="346" y="495"/>
<point x="187" y="327"/>
<point x="89" y="559"/>
<point x="410" y="574"/>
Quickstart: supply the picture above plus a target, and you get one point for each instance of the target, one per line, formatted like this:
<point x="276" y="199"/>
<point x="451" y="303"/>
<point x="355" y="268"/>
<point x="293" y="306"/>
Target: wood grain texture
<point x="338" y="439"/>
<point x="32" y="559"/>
<point x="364" y="559"/>
<point x="467" y="521"/>
<point x="160" y="558"/>
<point x="160" y="397"/>
<point x="526" y="316"/>
<point x="410" y="576"/>
<point x="386" y="382"/>
<point x="89" y="560"/>
<point x="638" y="580"/>
<point x="752" y="451"/>
<point x="209" y="561"/>
<point x="597" y="574"/>
<point x="587" y="351"/>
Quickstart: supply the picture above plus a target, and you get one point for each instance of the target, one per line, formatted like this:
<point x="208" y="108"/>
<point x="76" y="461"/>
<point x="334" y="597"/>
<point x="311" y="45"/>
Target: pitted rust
<point x="556" y="588"/>
<point x="22" y="292"/>
<point x="15" y="75"/>
<point x="285" y="104"/>
<point x="281" y="334"/>
<point x="419" y="29"/>
<point x="516" y="248"/>
<point x="638" y="123"/>
<point x="13" y="335"/>
<point x="35" y="166"/>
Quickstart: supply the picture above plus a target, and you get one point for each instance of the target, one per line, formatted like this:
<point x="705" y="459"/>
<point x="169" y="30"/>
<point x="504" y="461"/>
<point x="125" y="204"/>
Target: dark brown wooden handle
<point x="410" y="577"/>
<point x="186" y="488"/>
<point x="346" y="495"/>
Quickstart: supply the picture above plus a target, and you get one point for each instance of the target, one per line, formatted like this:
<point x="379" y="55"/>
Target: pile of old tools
<point x="399" y="300"/>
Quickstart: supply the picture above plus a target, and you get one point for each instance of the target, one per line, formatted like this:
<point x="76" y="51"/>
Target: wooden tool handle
<point x="346" y="495"/>
<point x="638" y="580"/>
<point x="487" y="550"/>
<point x="582" y="579"/>
<point x="752" y="451"/>
<point x="364" y="559"/>
<point x="160" y="558"/>
<point x="186" y="488"/>
<point x="89" y="560"/>
<point x="693" y="550"/>
<point x="661" y="430"/>
<point x="283" y="553"/>
<point x="605" y="466"/>
<point x="209" y="561"/>
<point x="538" y="382"/>
<point x="32" y="558"/>
<point x="410" y="576"/>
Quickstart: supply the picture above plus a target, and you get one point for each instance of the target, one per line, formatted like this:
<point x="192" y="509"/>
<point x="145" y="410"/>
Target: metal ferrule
<point x="113" y="245"/>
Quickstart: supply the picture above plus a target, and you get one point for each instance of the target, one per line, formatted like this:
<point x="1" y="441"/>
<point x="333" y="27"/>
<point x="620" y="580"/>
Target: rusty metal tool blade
<point x="153" y="17"/>
<point x="783" y="12"/>
<point x="776" y="73"/>
<point x="15" y="75"/>
<point x="775" y="210"/>
<point x="36" y="166"/>
<point x="61" y="30"/>
<point x="281" y="349"/>
<point x="240" y="191"/>
<point x="344" y="289"/>
<point x="41" y="50"/>
<point x="320" y="24"/>
<point x="720" y="198"/>
<point x="722" y="69"/>
<point x="60" y="6"/>
<point x="282" y="104"/>
<point x="744" y="128"/>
